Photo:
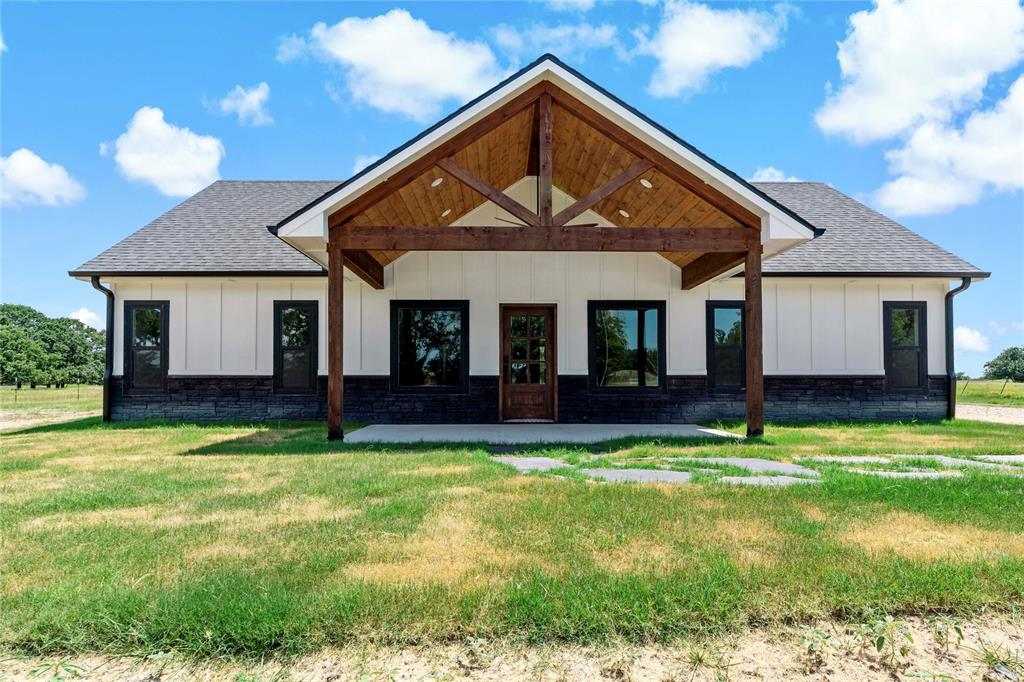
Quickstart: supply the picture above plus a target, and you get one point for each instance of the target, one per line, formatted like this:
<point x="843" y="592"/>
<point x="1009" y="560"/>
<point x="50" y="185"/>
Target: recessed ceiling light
<point x="624" y="213"/>
<point x="646" y="183"/>
<point x="436" y="182"/>
<point x="446" y="212"/>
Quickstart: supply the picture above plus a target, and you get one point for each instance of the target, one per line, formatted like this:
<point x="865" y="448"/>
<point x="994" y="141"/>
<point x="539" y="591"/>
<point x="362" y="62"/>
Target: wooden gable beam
<point x="709" y="266"/>
<point x="545" y="164"/>
<point x="664" y="164"/>
<point x="603" y="192"/>
<point x="488" y="191"/>
<point x="365" y="267"/>
<point x="403" y="177"/>
<point x="529" y="238"/>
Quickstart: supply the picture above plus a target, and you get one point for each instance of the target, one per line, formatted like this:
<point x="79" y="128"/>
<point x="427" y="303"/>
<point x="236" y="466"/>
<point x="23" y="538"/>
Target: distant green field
<point x="83" y="398"/>
<point x="986" y="392"/>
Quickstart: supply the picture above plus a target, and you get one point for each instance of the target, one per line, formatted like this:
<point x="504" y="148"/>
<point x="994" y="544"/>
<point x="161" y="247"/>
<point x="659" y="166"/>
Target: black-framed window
<point x="295" y="346"/>
<point x="627" y="345"/>
<point x="726" y="345"/>
<point x="145" y="346"/>
<point x="906" y="345"/>
<point x="429" y="345"/>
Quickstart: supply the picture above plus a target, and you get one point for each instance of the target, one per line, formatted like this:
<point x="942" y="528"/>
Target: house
<point x="546" y="252"/>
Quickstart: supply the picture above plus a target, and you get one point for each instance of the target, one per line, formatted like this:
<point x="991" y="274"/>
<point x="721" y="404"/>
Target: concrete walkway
<point x="519" y="434"/>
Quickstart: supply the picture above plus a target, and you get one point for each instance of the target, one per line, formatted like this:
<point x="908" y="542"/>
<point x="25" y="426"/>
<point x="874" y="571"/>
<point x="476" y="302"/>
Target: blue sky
<point x="907" y="108"/>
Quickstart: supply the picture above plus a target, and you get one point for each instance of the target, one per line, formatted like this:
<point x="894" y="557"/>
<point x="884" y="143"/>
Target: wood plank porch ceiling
<point x="583" y="160"/>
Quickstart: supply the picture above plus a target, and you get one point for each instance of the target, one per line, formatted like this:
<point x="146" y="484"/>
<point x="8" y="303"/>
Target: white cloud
<point x="971" y="340"/>
<point x="87" y="317"/>
<point x="907" y="62"/>
<point x="1001" y="329"/>
<point x="175" y="160"/>
<point x="571" y="5"/>
<point x="772" y="174"/>
<point x="694" y="41"/>
<point x="249" y="104"/>
<point x="3" y="45"/>
<point x="362" y="161"/>
<point x="569" y="41"/>
<point x="941" y="167"/>
<point x="27" y="179"/>
<point x="398" y="64"/>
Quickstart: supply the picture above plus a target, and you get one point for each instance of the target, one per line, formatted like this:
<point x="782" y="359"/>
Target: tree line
<point x="47" y="351"/>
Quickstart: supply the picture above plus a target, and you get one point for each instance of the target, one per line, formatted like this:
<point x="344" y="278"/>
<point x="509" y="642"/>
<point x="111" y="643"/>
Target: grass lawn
<point x="70" y="399"/>
<point x="246" y="540"/>
<point x="984" y="392"/>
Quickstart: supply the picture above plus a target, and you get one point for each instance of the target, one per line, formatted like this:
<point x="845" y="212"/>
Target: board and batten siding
<point x="826" y="326"/>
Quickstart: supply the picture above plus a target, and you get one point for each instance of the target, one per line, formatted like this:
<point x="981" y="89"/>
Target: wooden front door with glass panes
<point x="528" y="373"/>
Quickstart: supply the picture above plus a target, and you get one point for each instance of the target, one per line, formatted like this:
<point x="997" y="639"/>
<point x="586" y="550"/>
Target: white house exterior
<point x="852" y="320"/>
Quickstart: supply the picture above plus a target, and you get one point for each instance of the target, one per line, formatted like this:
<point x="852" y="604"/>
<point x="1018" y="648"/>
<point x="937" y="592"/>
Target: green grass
<point x="76" y="399"/>
<point x="984" y="392"/>
<point x="248" y="540"/>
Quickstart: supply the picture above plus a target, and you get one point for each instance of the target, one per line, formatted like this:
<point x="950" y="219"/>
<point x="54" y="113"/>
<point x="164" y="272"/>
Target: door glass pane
<point x="146" y="370"/>
<point x="146" y="327"/>
<point x="615" y="347"/>
<point x="295" y="327"/>
<point x="537" y="347"/>
<point x="538" y="325"/>
<point x="519" y="349"/>
<point x="651" y="337"/>
<point x="295" y="368"/>
<point x="537" y="373"/>
<point x="519" y="374"/>
<point x="519" y="325"/>
<point x="905" y="368"/>
<point x="904" y="327"/>
<point x="728" y="326"/>
<point x="429" y="347"/>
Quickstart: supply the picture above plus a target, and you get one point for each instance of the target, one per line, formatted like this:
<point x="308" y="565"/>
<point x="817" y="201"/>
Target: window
<point x="145" y="346"/>
<point x="627" y="344"/>
<point x="726" y="346"/>
<point x="429" y="345"/>
<point x="906" y="349"/>
<point x="295" y="346"/>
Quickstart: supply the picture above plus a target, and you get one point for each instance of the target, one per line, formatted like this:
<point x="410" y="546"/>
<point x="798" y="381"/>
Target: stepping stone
<point x="528" y="464"/>
<point x="768" y="481"/>
<point x="907" y="474"/>
<point x="850" y="459"/>
<point x="1004" y="459"/>
<point x="639" y="475"/>
<point x="752" y="464"/>
<point x="952" y="461"/>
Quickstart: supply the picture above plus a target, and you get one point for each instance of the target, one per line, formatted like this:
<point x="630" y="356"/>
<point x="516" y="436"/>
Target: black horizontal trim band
<point x="196" y="273"/>
<point x="876" y="273"/>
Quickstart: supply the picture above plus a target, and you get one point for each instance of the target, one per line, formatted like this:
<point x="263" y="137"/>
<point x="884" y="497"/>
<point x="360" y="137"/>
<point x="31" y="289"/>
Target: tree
<point x="1007" y="365"/>
<point x="45" y="350"/>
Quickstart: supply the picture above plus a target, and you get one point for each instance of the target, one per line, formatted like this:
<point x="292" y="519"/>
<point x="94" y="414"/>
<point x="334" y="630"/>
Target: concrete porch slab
<point x="639" y="475"/>
<point x="521" y="434"/>
<point x="1004" y="459"/>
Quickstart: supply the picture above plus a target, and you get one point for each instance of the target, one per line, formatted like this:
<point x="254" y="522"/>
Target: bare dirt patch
<point x="915" y="536"/>
<point x="769" y="653"/>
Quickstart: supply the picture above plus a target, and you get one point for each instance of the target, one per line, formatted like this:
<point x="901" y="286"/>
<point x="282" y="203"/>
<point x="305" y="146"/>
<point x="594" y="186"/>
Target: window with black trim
<point x="295" y="346"/>
<point x="906" y="345"/>
<point x="145" y="346"/>
<point x="627" y="344"/>
<point x="429" y="345"/>
<point x="726" y="345"/>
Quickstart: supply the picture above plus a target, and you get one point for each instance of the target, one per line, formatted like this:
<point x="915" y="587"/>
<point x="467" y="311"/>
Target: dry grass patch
<point x="640" y="555"/>
<point x="750" y="540"/>
<point x="813" y="513"/>
<point x="915" y="536"/>
<point x="447" y="470"/>
<point x="222" y="549"/>
<point x="449" y="547"/>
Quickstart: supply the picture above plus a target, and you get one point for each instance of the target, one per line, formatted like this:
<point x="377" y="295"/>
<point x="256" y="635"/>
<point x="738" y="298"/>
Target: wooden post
<point x="752" y="331"/>
<point x="544" y="162"/>
<point x="335" y="338"/>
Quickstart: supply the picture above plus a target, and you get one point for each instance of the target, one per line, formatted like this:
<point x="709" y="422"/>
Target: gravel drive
<point x="991" y="413"/>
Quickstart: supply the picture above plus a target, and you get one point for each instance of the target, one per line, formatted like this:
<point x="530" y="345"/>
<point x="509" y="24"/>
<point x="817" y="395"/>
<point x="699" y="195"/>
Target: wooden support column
<point x="545" y="164"/>
<point x="335" y="338"/>
<point x="752" y="331"/>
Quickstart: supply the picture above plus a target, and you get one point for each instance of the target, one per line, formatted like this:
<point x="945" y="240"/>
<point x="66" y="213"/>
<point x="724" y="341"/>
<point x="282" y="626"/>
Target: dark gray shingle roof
<point x="856" y="238"/>
<point x="223" y="229"/>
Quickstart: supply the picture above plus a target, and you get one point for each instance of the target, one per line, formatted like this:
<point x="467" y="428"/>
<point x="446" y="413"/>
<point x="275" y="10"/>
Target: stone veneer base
<point x="685" y="400"/>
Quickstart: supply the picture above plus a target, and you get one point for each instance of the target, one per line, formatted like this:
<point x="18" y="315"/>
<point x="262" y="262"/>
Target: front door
<point x="528" y="373"/>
